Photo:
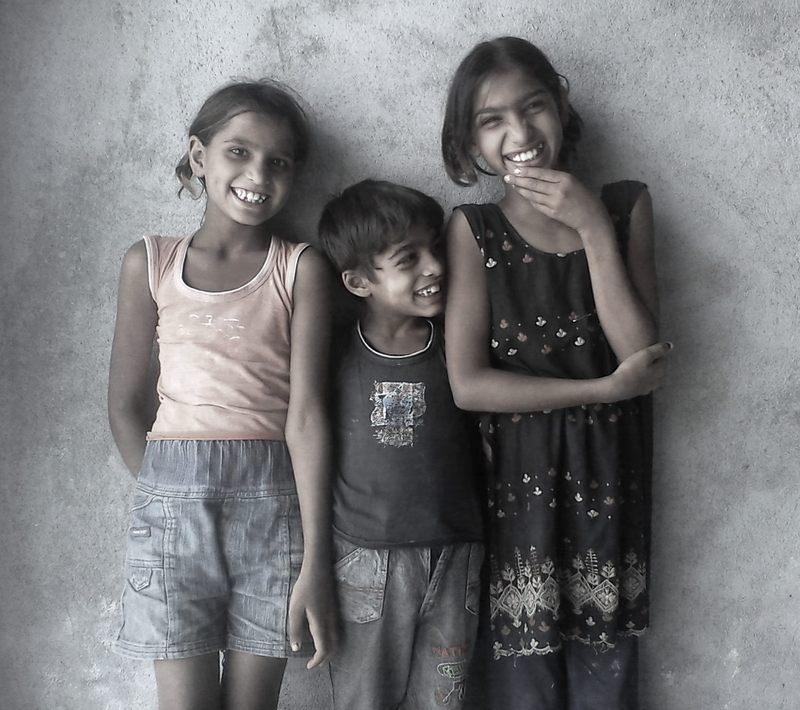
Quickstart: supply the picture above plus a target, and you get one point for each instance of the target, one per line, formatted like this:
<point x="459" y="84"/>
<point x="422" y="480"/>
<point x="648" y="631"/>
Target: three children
<point x="550" y="317"/>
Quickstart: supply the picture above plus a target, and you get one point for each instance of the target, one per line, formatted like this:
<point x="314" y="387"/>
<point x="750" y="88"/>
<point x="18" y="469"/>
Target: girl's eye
<point x="489" y="121"/>
<point x="280" y="163"/>
<point x="407" y="259"/>
<point x="238" y="152"/>
<point x="534" y="107"/>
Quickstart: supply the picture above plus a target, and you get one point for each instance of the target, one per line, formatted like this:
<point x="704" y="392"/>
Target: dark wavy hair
<point x="370" y="216"/>
<point x="263" y="96"/>
<point x="487" y="58"/>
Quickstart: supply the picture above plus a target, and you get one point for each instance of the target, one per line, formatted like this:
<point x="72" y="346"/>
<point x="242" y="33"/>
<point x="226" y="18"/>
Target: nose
<point x="258" y="171"/>
<point x="519" y="129"/>
<point x="431" y="263"/>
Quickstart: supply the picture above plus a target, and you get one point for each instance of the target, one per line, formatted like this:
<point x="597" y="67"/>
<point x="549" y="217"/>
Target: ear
<point x="197" y="156"/>
<point x="355" y="282"/>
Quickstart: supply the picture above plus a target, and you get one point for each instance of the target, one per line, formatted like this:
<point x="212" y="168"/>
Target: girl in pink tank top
<point x="219" y="557"/>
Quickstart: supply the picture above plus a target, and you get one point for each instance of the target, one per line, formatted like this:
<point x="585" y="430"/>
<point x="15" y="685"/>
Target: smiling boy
<point x="406" y="516"/>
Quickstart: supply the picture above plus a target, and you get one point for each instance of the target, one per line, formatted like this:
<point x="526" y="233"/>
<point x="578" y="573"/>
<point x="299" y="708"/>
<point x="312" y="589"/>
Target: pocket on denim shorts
<point x="360" y="575"/>
<point x="144" y="604"/>
<point x="473" y="592"/>
<point x="146" y="538"/>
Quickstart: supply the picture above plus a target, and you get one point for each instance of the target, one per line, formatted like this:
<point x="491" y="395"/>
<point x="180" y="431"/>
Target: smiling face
<point x="406" y="279"/>
<point x="248" y="168"/>
<point x="517" y="122"/>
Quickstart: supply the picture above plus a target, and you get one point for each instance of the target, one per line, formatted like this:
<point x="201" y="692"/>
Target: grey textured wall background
<point x="698" y="99"/>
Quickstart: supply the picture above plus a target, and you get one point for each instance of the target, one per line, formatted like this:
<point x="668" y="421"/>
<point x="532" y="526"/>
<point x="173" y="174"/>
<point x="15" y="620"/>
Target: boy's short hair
<point x="370" y="216"/>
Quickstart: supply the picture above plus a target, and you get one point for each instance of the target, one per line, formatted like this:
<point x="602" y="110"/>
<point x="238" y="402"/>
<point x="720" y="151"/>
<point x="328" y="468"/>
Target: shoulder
<point x="477" y="220"/>
<point x="311" y="263"/>
<point x="470" y="212"/>
<point x="622" y="196"/>
<point x="135" y="261"/>
<point x="309" y="281"/>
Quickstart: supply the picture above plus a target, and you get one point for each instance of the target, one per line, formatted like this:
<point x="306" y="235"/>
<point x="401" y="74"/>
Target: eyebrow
<point x="238" y="140"/>
<point x="403" y="247"/>
<point x="498" y="109"/>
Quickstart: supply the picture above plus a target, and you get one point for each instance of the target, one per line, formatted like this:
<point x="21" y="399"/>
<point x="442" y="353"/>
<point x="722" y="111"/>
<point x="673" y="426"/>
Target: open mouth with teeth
<point x="428" y="291"/>
<point x="526" y="156"/>
<point x="251" y="198"/>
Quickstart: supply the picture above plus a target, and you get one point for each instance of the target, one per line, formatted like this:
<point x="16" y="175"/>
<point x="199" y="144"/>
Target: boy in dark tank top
<point x="407" y="529"/>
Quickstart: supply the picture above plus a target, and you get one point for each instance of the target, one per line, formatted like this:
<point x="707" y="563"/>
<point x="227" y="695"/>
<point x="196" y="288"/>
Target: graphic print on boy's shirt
<point x="406" y="457"/>
<point x="399" y="407"/>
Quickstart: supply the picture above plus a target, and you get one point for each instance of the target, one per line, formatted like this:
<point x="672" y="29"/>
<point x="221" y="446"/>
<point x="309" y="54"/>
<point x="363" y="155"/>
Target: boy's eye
<point x="488" y="121"/>
<point x="238" y="152"/>
<point x="534" y="106"/>
<point x="407" y="259"/>
<point x="280" y="163"/>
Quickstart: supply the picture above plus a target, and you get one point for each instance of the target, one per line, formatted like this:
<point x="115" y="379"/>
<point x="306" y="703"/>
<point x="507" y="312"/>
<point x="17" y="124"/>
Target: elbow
<point x="304" y="425"/>
<point x="464" y="393"/>
<point x="461" y="398"/>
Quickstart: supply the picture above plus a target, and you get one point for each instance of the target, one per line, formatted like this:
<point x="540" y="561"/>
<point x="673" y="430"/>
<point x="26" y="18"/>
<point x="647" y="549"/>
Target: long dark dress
<point x="569" y="489"/>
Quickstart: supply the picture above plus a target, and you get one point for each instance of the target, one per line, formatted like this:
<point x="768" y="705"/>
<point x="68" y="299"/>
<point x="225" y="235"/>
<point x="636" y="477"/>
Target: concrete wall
<point x="699" y="99"/>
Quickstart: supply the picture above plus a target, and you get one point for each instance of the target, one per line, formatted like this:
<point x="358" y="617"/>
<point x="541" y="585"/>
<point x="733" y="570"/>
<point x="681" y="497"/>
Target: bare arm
<point x="308" y="439"/>
<point x="130" y="412"/>
<point x="641" y="254"/>
<point x="477" y="385"/>
<point x="625" y="298"/>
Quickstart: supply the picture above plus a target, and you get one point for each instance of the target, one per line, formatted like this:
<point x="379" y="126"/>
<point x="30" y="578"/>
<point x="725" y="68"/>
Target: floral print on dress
<point x="567" y="490"/>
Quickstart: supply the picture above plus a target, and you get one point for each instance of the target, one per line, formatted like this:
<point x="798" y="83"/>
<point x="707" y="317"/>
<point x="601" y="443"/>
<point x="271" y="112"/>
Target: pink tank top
<point x="224" y="355"/>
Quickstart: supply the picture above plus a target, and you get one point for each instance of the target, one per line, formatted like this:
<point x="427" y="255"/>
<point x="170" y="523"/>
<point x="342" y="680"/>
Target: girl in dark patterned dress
<point x="551" y="331"/>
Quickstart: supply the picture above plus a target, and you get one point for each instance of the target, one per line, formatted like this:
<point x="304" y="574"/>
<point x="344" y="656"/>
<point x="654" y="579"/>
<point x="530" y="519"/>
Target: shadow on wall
<point x="327" y="172"/>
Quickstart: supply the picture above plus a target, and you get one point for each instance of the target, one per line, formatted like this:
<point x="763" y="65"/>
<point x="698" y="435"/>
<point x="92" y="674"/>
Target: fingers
<point x="544" y="175"/>
<point x="296" y="626"/>
<point x="324" y="637"/>
<point x="322" y="629"/>
<point x="659" y="351"/>
<point x="658" y="364"/>
<point x="527" y="184"/>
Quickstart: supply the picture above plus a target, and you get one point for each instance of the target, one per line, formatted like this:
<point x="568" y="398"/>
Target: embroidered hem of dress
<point x="601" y="645"/>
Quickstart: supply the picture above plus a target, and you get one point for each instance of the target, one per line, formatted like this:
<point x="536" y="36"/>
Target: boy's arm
<point x="129" y="399"/>
<point x="308" y="440"/>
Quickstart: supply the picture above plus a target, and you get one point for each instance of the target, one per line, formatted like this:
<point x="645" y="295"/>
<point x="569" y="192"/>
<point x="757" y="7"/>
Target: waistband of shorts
<point x="217" y="467"/>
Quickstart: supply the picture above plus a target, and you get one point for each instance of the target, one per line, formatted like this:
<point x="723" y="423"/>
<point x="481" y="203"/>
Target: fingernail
<point x="295" y="647"/>
<point x="507" y="178"/>
<point x="670" y="344"/>
<point x="517" y="171"/>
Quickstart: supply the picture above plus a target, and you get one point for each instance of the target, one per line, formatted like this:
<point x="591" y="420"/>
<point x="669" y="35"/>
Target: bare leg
<point x="189" y="683"/>
<point x="251" y="682"/>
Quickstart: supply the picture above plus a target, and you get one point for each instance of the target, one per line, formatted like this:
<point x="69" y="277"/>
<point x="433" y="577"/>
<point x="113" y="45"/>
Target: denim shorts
<point x="408" y="618"/>
<point x="214" y="547"/>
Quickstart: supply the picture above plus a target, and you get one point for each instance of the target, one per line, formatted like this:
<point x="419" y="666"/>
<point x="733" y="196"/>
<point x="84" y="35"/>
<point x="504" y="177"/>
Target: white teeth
<point x="528" y="154"/>
<point x="429" y="291"/>
<point x="254" y="198"/>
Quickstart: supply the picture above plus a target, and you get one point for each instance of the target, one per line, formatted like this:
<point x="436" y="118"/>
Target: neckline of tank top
<point x="244" y="289"/>
<point x="513" y="231"/>
<point x="387" y="356"/>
